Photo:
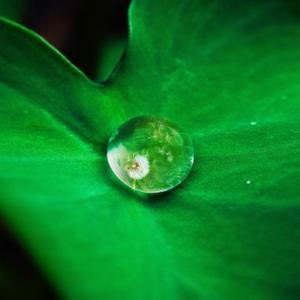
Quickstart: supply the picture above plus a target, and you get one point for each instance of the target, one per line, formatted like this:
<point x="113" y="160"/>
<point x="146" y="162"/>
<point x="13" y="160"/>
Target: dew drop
<point x="150" y="154"/>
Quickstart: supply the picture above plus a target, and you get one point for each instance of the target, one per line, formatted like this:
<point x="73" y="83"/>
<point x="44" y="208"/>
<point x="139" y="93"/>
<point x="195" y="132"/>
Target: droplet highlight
<point x="150" y="154"/>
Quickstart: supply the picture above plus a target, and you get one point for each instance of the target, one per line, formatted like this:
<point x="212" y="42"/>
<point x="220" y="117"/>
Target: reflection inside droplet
<point x="150" y="154"/>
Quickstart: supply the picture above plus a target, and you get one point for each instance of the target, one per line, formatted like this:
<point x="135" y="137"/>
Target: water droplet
<point x="248" y="181"/>
<point x="150" y="154"/>
<point x="253" y="123"/>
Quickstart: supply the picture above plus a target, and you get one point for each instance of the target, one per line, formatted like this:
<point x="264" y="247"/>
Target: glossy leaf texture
<point x="230" y="77"/>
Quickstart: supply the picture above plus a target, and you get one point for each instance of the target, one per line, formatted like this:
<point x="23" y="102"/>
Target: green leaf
<point x="228" y="72"/>
<point x="12" y="9"/>
<point x="111" y="53"/>
<point x="52" y="84"/>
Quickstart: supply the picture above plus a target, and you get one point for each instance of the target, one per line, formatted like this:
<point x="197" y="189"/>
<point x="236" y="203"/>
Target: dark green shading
<point x="12" y="9"/>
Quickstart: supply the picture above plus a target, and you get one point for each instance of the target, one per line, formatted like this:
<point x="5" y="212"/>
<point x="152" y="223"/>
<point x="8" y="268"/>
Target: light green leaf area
<point x="226" y="71"/>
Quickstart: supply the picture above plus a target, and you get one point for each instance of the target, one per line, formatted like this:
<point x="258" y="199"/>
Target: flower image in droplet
<point x="138" y="167"/>
<point x="150" y="154"/>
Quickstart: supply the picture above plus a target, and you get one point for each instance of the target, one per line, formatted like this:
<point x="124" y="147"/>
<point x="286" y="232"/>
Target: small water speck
<point x="253" y="123"/>
<point x="248" y="181"/>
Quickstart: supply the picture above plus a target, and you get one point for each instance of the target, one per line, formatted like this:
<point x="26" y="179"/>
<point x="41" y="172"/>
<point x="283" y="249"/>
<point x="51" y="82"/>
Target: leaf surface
<point x="230" y="231"/>
<point x="12" y="9"/>
<point x="231" y="77"/>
